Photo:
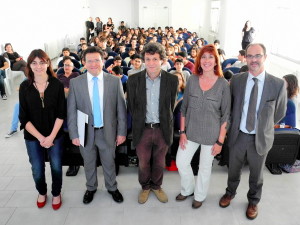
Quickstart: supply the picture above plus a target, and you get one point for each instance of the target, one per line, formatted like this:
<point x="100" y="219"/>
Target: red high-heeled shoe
<point x="41" y="204"/>
<point x="58" y="205"/>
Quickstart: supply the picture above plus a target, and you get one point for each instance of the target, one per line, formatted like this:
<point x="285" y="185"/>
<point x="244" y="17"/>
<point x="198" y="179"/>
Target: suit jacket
<point x="114" y="109"/>
<point x="271" y="110"/>
<point x="136" y="92"/>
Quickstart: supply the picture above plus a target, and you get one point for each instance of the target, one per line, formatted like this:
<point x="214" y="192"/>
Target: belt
<point x="152" y="125"/>
<point x="98" y="128"/>
<point x="247" y="133"/>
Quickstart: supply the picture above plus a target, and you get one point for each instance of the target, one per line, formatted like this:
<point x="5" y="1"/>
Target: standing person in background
<point x="99" y="26"/>
<point x="204" y="117"/>
<point x="16" y="61"/>
<point x="89" y="25"/>
<point x="247" y="34"/>
<point x="110" y="24"/>
<point x="42" y="112"/>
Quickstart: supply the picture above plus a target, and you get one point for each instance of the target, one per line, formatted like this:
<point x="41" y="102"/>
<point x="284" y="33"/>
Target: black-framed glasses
<point x="257" y="56"/>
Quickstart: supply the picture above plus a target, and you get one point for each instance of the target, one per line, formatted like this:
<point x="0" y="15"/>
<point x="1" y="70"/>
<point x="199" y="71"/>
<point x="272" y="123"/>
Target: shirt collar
<point x="260" y="77"/>
<point x="90" y="76"/>
<point x="159" y="76"/>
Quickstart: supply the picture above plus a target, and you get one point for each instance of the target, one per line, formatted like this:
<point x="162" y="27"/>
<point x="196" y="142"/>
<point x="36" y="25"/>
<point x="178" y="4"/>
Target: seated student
<point x="170" y="53"/>
<point x="79" y="47"/>
<point x="189" y="44"/>
<point x="137" y="64"/>
<point x="193" y="53"/>
<point x="3" y="65"/>
<point x="102" y="44"/>
<point x="179" y="66"/>
<point x="118" y="71"/>
<point x="65" y="52"/>
<point x="165" y="64"/>
<point x="83" y="48"/>
<point x="122" y="27"/>
<point x="16" y="61"/>
<point x="131" y="52"/>
<point x="220" y="51"/>
<point x="186" y="62"/>
<point x="65" y="79"/>
<point x="241" y="60"/>
<point x="116" y="62"/>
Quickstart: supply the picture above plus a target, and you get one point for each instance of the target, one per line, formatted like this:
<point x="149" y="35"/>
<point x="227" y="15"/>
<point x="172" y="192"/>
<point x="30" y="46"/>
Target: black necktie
<point x="250" y="124"/>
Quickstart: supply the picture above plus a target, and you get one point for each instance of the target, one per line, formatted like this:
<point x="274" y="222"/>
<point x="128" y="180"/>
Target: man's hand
<point x="120" y="140"/>
<point x="76" y="142"/>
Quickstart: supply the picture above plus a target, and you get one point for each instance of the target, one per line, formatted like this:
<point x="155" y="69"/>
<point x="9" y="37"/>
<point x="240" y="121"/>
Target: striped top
<point x="205" y="111"/>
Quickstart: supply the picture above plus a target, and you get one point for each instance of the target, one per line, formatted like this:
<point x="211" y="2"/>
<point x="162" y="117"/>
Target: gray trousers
<point x="107" y="157"/>
<point x="244" y="150"/>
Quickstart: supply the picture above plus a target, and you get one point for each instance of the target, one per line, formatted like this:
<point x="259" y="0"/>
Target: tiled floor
<point x="280" y="204"/>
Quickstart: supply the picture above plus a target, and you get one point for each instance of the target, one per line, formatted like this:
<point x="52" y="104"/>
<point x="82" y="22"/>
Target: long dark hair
<point x="38" y="53"/>
<point x="245" y="26"/>
<point x="292" y="85"/>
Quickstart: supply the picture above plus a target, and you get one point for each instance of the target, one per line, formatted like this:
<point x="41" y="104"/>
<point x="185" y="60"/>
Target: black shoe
<point x="88" y="196"/>
<point x="72" y="171"/>
<point x="117" y="196"/>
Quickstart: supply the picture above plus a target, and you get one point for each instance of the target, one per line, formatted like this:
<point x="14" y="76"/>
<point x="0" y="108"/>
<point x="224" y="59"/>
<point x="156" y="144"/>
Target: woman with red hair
<point x="204" y="117"/>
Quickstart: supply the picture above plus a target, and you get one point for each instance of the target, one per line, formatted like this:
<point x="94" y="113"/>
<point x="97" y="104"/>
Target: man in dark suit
<point x="258" y="102"/>
<point x="151" y="98"/>
<point x="100" y="96"/>
<point x="89" y="26"/>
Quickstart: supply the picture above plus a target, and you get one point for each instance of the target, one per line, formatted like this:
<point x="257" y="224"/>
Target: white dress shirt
<point x="90" y="82"/>
<point x="250" y="83"/>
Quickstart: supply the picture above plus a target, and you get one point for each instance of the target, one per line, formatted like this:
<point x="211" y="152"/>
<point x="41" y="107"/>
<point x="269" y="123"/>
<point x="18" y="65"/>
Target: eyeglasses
<point x="257" y="56"/>
<point x="68" y="65"/>
<point x="41" y="63"/>
<point x="93" y="61"/>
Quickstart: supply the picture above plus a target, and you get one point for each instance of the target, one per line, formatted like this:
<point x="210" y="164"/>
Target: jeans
<point x="2" y="88"/>
<point x="36" y="155"/>
<point x="15" y="119"/>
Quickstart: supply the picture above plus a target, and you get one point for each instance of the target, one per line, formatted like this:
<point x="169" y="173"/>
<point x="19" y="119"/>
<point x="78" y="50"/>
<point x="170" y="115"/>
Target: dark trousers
<point x="245" y="44"/>
<point x="151" y="152"/>
<point x="36" y="155"/>
<point x="244" y="150"/>
<point x="2" y="87"/>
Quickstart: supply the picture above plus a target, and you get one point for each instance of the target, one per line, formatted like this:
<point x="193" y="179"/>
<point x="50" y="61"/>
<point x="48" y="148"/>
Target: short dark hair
<point x="242" y="52"/>
<point x="244" y="69"/>
<point x="135" y="56"/>
<point x="153" y="48"/>
<point x="178" y="60"/>
<point x="92" y="49"/>
<point x="117" y="58"/>
<point x="182" y="54"/>
<point x="217" y="41"/>
<point x="66" y="49"/>
<point x="66" y="58"/>
<point x="81" y="39"/>
<point x="117" y="69"/>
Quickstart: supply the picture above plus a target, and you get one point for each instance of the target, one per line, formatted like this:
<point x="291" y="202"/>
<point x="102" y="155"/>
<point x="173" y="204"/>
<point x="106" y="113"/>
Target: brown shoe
<point x="143" y="196"/>
<point x="252" y="211"/>
<point x="196" y="204"/>
<point x="181" y="197"/>
<point x="161" y="195"/>
<point x="225" y="200"/>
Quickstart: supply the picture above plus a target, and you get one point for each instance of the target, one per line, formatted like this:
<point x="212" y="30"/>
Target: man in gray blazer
<point x="101" y="97"/>
<point x="258" y="102"/>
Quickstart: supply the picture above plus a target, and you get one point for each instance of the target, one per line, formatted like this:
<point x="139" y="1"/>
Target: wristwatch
<point x="181" y="131"/>
<point x="219" y="143"/>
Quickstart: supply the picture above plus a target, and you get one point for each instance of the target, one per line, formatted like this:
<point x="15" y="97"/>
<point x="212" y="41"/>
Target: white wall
<point x="32" y="23"/>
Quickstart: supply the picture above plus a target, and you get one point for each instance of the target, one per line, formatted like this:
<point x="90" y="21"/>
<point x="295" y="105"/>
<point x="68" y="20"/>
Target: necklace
<point x="42" y="93"/>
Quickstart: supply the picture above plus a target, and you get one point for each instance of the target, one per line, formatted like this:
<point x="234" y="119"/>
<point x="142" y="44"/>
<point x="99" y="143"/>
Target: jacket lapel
<point x="141" y="90"/>
<point x="85" y="91"/>
<point x="242" y="90"/>
<point x="265" y="92"/>
<point x="105" y="89"/>
<point x="162" y="90"/>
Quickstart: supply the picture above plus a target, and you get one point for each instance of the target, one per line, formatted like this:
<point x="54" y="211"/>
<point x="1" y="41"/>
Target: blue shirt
<point x="152" y="92"/>
<point x="250" y="83"/>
